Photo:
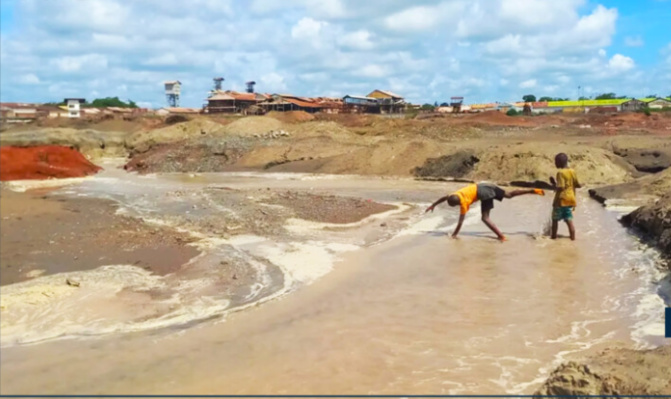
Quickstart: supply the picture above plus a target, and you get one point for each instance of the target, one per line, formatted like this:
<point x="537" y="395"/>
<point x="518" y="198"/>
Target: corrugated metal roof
<point x="387" y="92"/>
<point x="361" y="98"/>
<point x="243" y="96"/>
<point x="303" y="104"/>
<point x="586" y="103"/>
<point x="182" y="110"/>
<point x="220" y="96"/>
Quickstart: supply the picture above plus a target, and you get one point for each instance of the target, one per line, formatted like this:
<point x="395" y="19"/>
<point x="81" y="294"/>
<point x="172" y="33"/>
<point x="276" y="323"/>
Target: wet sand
<point x="43" y="235"/>
<point x="416" y="313"/>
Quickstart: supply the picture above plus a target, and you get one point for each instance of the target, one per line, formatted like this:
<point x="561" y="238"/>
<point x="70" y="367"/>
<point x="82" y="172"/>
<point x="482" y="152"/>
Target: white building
<point x="73" y="104"/>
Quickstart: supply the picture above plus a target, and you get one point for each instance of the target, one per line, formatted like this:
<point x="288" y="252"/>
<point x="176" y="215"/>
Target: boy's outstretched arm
<point x="461" y="221"/>
<point x="440" y="201"/>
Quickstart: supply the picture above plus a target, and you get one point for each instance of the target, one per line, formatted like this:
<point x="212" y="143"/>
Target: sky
<point x="426" y="51"/>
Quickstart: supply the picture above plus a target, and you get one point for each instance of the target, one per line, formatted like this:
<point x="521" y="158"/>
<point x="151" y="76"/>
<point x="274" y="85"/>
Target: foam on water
<point x="304" y="226"/>
<point x="304" y="262"/>
<point x="25" y="185"/>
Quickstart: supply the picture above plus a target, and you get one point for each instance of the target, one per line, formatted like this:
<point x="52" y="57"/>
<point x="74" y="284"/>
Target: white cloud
<point x="372" y="71"/>
<point x="621" y="63"/>
<point x="28" y="79"/>
<point x="359" y="40"/>
<point x="273" y="82"/>
<point x="162" y="60"/>
<point x="413" y="19"/>
<point x="90" y="62"/>
<point x="306" y="28"/>
<point x="427" y="50"/>
<point x="636" y="41"/>
<point x="528" y="84"/>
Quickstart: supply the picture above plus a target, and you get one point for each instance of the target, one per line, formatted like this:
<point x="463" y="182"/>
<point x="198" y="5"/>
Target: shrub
<point x="512" y="112"/>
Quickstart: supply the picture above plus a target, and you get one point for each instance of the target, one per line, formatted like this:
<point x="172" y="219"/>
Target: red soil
<point x="43" y="162"/>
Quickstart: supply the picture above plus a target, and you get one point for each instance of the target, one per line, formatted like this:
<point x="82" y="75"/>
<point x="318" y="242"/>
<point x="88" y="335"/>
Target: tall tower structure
<point x="250" y="86"/>
<point x="173" y="89"/>
<point x="217" y="83"/>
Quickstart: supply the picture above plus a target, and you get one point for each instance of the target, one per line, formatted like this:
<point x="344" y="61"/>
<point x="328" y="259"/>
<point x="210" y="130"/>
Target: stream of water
<point x="391" y="305"/>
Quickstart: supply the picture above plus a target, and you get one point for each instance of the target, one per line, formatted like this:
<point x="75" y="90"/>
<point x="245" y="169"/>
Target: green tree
<point x="111" y="102"/>
<point x="606" y="96"/>
<point x="583" y="98"/>
<point x="427" y="107"/>
<point x="545" y="98"/>
<point x="444" y="104"/>
<point x="529" y="98"/>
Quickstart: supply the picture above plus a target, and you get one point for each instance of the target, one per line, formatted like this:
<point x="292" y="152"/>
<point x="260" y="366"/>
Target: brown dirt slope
<point x="643" y="189"/>
<point x="43" y="162"/>
<point x="613" y="372"/>
<point x="92" y="143"/>
<point x="655" y="221"/>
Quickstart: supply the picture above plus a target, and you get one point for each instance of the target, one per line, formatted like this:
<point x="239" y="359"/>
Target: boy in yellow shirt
<point x="485" y="193"/>
<point x="564" y="202"/>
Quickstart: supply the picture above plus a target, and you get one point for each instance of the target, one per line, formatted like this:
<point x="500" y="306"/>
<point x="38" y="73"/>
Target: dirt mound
<point x="497" y="118"/>
<point x="613" y="372"/>
<point x="318" y="129"/>
<point x="638" y="191"/>
<point x="655" y="221"/>
<point x="291" y="116"/>
<point x="253" y="125"/>
<point x="388" y="158"/>
<point x="43" y="162"/>
<point x="528" y="162"/>
<point x="143" y="141"/>
<point x="647" y="160"/>
<point x="626" y="121"/>
<point x="458" y="164"/>
<point x="92" y="143"/>
<point x="202" y="155"/>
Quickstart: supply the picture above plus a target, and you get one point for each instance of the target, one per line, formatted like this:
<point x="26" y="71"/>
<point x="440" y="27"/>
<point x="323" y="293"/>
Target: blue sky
<point x="484" y="50"/>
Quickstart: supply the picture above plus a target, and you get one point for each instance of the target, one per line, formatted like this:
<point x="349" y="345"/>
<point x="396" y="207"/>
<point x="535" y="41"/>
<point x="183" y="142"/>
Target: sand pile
<point x="655" y="221"/>
<point x="326" y="129"/>
<point x="526" y="163"/>
<point x="387" y="158"/>
<point x="637" y="191"/>
<point x="497" y="118"/>
<point x="253" y="125"/>
<point x="459" y="164"/>
<point x="531" y="163"/>
<point x="143" y="141"/>
<point x="291" y="116"/>
<point x="92" y="143"/>
<point x="43" y="162"/>
<point x="614" y="372"/>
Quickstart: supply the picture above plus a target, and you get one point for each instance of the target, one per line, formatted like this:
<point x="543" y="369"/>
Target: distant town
<point x="378" y="101"/>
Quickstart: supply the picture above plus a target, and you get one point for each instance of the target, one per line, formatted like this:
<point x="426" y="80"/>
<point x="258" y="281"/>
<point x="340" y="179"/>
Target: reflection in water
<point x="419" y="313"/>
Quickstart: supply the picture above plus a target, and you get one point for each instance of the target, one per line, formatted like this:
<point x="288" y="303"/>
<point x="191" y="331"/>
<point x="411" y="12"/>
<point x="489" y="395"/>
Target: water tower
<point x="217" y="83"/>
<point x="250" y="87"/>
<point x="172" y="91"/>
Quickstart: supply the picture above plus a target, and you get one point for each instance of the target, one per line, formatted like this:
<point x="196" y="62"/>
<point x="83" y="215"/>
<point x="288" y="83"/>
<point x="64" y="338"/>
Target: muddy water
<point x="410" y="311"/>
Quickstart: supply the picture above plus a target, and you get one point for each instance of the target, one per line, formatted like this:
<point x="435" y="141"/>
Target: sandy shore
<point x="43" y="235"/>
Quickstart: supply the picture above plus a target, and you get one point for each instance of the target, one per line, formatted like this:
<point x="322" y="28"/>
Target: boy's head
<point x="561" y="160"/>
<point x="453" y="200"/>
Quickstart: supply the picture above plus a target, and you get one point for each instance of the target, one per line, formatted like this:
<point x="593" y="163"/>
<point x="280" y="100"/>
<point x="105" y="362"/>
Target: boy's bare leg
<point x="516" y="193"/>
<point x="571" y="229"/>
<point x="491" y="225"/>
<point x="555" y="227"/>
